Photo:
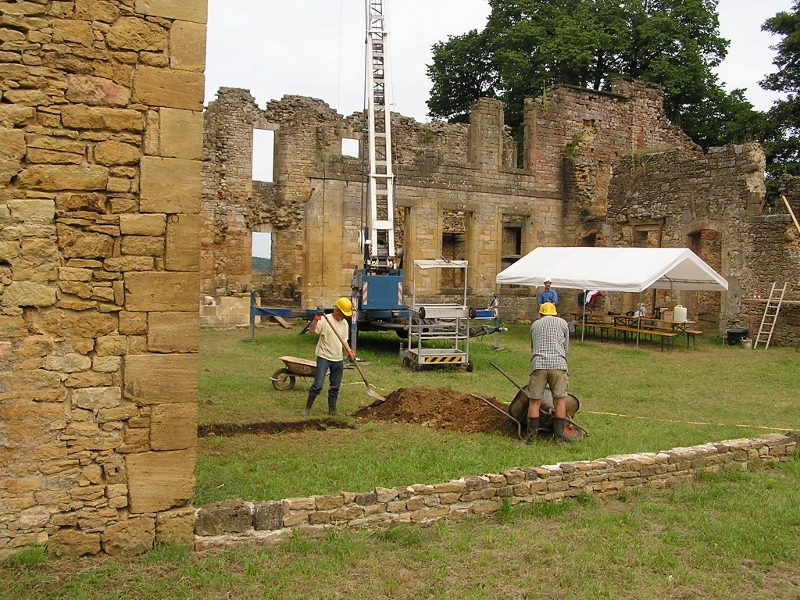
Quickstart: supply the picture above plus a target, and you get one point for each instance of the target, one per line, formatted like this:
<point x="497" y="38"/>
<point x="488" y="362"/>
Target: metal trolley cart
<point x="438" y="334"/>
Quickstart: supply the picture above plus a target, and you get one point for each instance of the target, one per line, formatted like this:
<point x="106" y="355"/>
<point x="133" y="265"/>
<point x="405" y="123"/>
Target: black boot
<point x="309" y="404"/>
<point x="558" y="431"/>
<point x="533" y="430"/>
<point x="332" y="409"/>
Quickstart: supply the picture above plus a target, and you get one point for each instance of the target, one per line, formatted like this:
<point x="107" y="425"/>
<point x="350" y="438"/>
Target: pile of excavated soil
<point x="442" y="408"/>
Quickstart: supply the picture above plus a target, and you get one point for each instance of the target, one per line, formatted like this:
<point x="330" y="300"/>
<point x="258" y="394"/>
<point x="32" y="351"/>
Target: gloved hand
<point x="351" y="356"/>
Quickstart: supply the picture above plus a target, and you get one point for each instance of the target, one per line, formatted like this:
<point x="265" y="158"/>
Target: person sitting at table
<point x="548" y="295"/>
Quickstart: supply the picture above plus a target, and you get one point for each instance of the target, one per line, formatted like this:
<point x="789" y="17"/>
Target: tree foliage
<point x="528" y="45"/>
<point x="782" y="135"/>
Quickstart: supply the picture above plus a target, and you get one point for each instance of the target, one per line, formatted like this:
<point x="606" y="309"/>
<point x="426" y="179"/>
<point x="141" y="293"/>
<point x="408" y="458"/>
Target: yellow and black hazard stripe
<point x="441" y="359"/>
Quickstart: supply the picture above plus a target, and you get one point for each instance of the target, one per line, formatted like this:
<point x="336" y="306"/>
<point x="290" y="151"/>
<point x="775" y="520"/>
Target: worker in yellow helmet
<point x="549" y="347"/>
<point x="329" y="353"/>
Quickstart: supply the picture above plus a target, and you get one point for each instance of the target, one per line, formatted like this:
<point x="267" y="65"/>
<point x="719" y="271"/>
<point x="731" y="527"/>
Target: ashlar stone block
<point x="153" y="225"/>
<point x="185" y="10"/>
<point x="173" y="332"/>
<point x="187" y="46"/>
<point x="181" y="134"/>
<point x="173" y="426"/>
<point x="129" y="537"/>
<point x="170" y="185"/>
<point x="183" y="243"/>
<point x="160" y="480"/>
<point x="60" y="177"/>
<point x="160" y="291"/>
<point x="160" y="378"/>
<point x="172" y="88"/>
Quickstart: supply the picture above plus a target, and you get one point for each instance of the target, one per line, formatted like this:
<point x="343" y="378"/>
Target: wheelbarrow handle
<point x="520" y="388"/>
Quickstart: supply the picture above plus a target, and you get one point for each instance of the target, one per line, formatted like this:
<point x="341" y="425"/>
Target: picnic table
<point x="632" y="327"/>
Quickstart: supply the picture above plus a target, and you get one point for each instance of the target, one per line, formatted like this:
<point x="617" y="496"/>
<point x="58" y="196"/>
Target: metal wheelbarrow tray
<point x="284" y="378"/>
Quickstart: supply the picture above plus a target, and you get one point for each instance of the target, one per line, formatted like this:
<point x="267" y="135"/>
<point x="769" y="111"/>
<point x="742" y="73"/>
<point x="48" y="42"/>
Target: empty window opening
<point x="262" y="251"/>
<point x="512" y="243"/>
<point x="350" y="147"/>
<point x="454" y="246"/>
<point x="263" y="155"/>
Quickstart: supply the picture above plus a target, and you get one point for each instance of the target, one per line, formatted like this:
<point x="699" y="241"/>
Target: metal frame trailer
<point x="438" y="334"/>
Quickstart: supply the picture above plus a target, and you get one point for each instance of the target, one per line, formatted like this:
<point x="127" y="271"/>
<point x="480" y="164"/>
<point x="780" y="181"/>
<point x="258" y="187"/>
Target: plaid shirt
<point x="549" y="343"/>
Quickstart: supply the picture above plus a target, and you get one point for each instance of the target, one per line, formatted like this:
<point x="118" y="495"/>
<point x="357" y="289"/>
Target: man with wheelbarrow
<point x="332" y="330"/>
<point x="549" y="347"/>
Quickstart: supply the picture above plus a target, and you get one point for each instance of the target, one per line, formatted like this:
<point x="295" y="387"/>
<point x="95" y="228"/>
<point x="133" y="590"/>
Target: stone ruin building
<point x="120" y="202"/>
<point x="604" y="169"/>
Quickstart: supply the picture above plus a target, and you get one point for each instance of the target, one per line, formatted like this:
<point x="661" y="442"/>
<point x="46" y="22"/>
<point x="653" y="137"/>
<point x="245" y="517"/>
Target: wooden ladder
<point x="770" y="315"/>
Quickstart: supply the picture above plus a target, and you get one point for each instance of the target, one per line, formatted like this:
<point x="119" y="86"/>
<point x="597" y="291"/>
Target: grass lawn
<point x="632" y="400"/>
<point x="733" y="535"/>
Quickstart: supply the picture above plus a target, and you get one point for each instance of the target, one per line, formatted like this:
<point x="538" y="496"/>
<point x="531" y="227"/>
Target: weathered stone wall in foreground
<point x="235" y="521"/>
<point x="100" y="177"/>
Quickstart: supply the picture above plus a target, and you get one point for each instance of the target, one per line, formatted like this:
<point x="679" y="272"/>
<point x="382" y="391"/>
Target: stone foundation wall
<point x="100" y="146"/>
<point x="234" y="521"/>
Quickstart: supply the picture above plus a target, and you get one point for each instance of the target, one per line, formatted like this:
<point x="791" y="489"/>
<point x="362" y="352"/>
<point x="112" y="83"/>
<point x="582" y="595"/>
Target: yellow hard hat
<point x="344" y="305"/>
<point x="548" y="309"/>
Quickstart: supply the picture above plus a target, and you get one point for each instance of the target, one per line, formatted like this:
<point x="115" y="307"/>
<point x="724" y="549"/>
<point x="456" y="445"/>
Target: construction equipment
<point x="378" y="285"/>
<point x="445" y="326"/>
<point x="770" y="317"/>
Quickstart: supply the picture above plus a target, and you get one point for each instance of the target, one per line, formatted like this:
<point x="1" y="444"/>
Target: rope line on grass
<point x="594" y="412"/>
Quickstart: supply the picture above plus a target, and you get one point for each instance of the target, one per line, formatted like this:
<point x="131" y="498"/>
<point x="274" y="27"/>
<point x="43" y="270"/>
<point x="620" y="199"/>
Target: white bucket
<point x="679" y="314"/>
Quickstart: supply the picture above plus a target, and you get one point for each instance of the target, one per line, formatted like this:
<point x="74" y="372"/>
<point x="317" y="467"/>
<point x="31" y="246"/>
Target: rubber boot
<point x="332" y="409"/>
<point x="309" y="404"/>
<point x="558" y="430"/>
<point x="533" y="430"/>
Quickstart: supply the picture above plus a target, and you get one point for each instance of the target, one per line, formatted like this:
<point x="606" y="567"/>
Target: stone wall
<point x="712" y="203"/>
<point x="314" y="205"/>
<point x="234" y="521"/>
<point x="100" y="178"/>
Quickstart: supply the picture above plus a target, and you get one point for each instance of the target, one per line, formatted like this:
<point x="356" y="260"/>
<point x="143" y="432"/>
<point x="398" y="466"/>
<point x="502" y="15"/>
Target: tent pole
<point x="639" y="322"/>
<point x="583" y="318"/>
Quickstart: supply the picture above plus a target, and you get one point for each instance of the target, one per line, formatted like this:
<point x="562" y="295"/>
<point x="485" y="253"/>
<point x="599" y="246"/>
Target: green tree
<point x="782" y="137"/>
<point x="528" y="45"/>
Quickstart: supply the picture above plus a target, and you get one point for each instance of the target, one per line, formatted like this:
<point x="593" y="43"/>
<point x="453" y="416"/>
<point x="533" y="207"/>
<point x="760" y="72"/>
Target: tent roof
<point x="614" y="269"/>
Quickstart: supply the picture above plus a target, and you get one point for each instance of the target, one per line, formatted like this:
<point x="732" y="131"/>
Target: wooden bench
<point x="601" y="329"/>
<point x="667" y="337"/>
<point x="690" y="333"/>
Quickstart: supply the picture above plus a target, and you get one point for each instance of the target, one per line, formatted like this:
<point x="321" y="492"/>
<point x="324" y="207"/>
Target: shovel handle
<point x="524" y="391"/>
<point x="372" y="393"/>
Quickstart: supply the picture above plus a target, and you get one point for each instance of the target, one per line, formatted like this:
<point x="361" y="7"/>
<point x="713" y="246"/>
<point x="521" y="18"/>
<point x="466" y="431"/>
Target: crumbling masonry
<point x="100" y="183"/>
<point x="604" y="169"/>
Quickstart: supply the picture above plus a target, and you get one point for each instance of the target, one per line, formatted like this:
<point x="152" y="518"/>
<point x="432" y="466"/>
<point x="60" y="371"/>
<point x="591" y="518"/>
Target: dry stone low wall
<point x="230" y="522"/>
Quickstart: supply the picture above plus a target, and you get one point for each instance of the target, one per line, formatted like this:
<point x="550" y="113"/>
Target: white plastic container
<point x="679" y="314"/>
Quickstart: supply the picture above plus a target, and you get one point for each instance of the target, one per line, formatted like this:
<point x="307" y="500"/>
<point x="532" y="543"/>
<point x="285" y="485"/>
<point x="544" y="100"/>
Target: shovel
<point x="370" y="391"/>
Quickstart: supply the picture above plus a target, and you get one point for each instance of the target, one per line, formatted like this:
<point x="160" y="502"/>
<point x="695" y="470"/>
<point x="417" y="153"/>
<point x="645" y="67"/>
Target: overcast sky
<point x="316" y="47"/>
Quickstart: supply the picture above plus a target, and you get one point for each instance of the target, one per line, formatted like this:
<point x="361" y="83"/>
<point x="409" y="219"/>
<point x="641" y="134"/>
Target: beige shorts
<point x="556" y="379"/>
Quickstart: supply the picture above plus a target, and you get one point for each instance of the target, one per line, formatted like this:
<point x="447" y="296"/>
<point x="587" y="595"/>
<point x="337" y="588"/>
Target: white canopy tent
<point x="614" y="270"/>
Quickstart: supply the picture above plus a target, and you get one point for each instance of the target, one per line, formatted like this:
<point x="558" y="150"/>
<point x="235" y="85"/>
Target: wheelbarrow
<point x="284" y="378"/>
<point x="518" y="410"/>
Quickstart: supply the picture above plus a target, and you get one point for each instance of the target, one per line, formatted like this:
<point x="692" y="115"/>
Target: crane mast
<point x="378" y="285"/>
<point x="379" y="252"/>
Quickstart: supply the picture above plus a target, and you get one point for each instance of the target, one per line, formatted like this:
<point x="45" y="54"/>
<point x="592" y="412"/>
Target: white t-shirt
<point x="329" y="347"/>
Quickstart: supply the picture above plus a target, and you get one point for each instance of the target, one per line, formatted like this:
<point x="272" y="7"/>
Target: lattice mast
<point x="379" y="253"/>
